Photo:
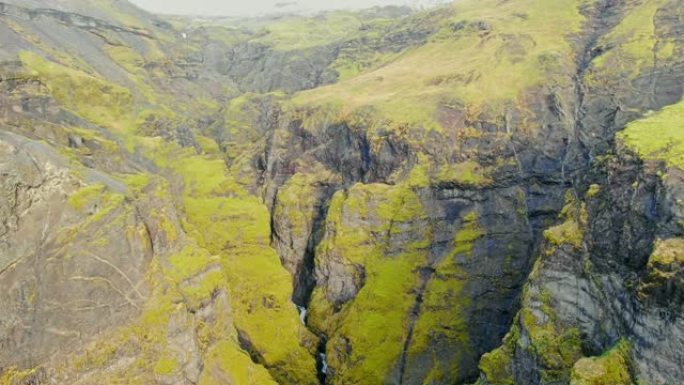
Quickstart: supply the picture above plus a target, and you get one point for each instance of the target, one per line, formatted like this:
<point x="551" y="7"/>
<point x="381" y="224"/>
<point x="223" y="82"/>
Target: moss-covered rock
<point x="368" y="266"/>
<point x="611" y="368"/>
<point x="571" y="231"/>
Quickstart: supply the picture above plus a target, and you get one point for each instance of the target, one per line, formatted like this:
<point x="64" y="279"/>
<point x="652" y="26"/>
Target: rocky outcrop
<point x="260" y="68"/>
<point x="586" y="292"/>
<point x="74" y="254"/>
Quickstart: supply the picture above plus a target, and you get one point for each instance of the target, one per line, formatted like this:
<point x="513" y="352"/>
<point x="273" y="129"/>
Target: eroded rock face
<point x="72" y="265"/>
<point x="259" y="68"/>
<point x="591" y="290"/>
<point x="595" y="288"/>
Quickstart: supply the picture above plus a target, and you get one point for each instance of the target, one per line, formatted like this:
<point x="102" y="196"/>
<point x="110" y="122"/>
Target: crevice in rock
<point x="305" y="280"/>
<point x="426" y="274"/>
<point x="600" y="19"/>
<point x="247" y="346"/>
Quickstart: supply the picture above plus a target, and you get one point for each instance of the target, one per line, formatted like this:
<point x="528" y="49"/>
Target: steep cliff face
<point x="487" y="192"/>
<point x="596" y="290"/>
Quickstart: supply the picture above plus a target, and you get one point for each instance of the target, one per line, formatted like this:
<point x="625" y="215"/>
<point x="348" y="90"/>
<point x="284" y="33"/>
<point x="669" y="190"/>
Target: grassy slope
<point x="293" y="32"/>
<point x="633" y="42"/>
<point x="659" y="136"/>
<point x="523" y="43"/>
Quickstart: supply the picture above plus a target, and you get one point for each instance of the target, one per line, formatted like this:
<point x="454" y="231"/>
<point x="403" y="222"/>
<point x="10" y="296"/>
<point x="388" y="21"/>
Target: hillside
<point x="488" y="192"/>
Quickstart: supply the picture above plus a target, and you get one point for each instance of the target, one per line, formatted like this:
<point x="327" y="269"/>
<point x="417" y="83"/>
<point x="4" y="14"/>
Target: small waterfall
<point x="324" y="363"/>
<point x="302" y="314"/>
<point x="322" y="360"/>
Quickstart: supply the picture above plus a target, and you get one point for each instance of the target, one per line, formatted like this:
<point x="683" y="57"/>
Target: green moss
<point x="571" y="231"/>
<point x="166" y="365"/>
<point x="611" y="368"/>
<point x="667" y="252"/>
<point x="234" y="366"/>
<point x="556" y="345"/>
<point x="97" y="200"/>
<point x="85" y="196"/>
<point x="419" y="176"/>
<point x="128" y="58"/>
<point x="96" y="358"/>
<point x="568" y="232"/>
<point x="465" y="238"/>
<point x="634" y="41"/>
<point x="133" y="62"/>
<point x="431" y="171"/>
<point x="593" y="191"/>
<point x="467" y="173"/>
<point x="106" y="104"/>
<point x="208" y="145"/>
<point x="295" y="204"/>
<point x="14" y="376"/>
<point x="375" y="323"/>
<point x="658" y="136"/>
<point x="137" y="182"/>
<point x="111" y="147"/>
<point x="440" y="321"/>
<point x="497" y="364"/>
<point x="196" y="274"/>
<point x="665" y="265"/>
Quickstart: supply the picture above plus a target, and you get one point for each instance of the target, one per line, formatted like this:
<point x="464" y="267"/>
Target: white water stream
<point x="324" y="363"/>
<point x="321" y="356"/>
<point x="302" y="314"/>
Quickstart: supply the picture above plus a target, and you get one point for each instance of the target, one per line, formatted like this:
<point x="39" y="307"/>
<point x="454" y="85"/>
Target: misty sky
<point x="257" y="7"/>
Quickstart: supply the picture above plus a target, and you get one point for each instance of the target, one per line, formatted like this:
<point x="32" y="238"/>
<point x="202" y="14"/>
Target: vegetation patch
<point x="635" y="45"/>
<point x="497" y="364"/>
<point x="558" y="347"/>
<point x="100" y="102"/>
<point x="658" y="136"/>
<point x="571" y="231"/>
<point x="486" y="67"/>
<point x="611" y="368"/>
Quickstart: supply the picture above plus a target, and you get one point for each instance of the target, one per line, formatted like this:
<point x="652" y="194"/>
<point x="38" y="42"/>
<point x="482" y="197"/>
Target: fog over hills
<point x="262" y="7"/>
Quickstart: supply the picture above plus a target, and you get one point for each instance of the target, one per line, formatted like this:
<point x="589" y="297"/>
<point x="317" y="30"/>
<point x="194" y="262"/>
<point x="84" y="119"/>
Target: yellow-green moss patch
<point x="611" y="368"/>
<point x="658" y="136"/>
<point x="571" y="231"/>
